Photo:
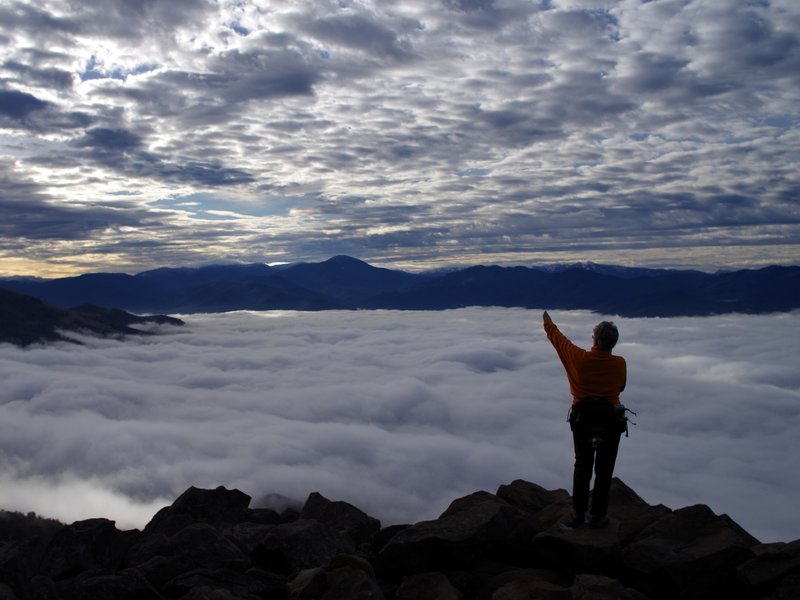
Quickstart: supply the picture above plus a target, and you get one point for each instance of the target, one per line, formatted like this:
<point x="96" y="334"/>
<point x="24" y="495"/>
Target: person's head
<point x="605" y="335"/>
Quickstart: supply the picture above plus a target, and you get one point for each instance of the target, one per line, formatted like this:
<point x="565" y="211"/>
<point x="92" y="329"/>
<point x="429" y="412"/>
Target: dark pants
<point x="587" y="458"/>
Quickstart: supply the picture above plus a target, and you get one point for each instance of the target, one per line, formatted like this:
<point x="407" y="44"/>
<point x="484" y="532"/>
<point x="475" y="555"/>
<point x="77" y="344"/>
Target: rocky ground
<point x="210" y="545"/>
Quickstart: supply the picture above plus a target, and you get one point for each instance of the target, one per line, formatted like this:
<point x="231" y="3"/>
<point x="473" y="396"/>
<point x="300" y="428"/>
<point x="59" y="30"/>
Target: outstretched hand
<point x="546" y="317"/>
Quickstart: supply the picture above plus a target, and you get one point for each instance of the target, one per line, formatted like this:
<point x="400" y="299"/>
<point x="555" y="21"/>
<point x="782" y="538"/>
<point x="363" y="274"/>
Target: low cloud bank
<point x="396" y="412"/>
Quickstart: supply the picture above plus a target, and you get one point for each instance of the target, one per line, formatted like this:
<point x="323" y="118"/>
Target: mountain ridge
<point x="344" y="282"/>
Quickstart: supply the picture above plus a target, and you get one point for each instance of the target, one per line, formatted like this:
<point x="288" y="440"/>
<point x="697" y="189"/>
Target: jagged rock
<point x="598" y="587"/>
<point x="160" y="570"/>
<point x="427" y="586"/>
<point x="348" y="577"/>
<point x="204" y="544"/>
<point x="302" y="544"/>
<point x="788" y="589"/>
<point x="351" y="581"/>
<point x="147" y="547"/>
<point x="226" y="583"/>
<point x="217" y="506"/>
<point x="308" y="584"/>
<point x="210" y="546"/>
<point x="525" y="589"/>
<point x="494" y="583"/>
<point x="6" y="593"/>
<point x="772" y="563"/>
<point x="247" y="536"/>
<point x="84" y="545"/>
<point x="341" y="516"/>
<point x="127" y="584"/>
<point x="478" y="526"/>
<point x="264" y="516"/>
<point x="581" y="550"/>
<point x="529" y="496"/>
<point x="691" y="552"/>
<point x="15" y="566"/>
<point x="632" y="513"/>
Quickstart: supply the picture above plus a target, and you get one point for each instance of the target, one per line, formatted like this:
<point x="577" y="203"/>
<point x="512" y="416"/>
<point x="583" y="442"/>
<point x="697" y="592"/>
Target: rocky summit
<point x="507" y="545"/>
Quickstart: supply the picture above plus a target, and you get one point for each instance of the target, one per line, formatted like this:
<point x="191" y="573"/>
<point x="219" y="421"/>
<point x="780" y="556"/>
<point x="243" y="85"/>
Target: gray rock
<point x="477" y="527"/>
<point x="127" y="584"/>
<point x="217" y="506"/>
<point x="530" y="497"/>
<point x="585" y="549"/>
<point x="341" y="516"/>
<point x="427" y="586"/>
<point x="208" y="547"/>
<point x="308" y="584"/>
<point x="525" y="589"/>
<point x="302" y="544"/>
<point x="688" y="553"/>
<point x="771" y="564"/>
<point x="598" y="587"/>
<point x="788" y="589"/>
<point x="84" y="545"/>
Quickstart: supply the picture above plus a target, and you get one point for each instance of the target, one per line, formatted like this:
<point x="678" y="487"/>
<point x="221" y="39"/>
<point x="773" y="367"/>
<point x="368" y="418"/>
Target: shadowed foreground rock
<point x="209" y="545"/>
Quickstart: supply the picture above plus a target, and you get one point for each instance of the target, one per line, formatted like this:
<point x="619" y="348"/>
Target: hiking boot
<point x="575" y="522"/>
<point x="599" y="521"/>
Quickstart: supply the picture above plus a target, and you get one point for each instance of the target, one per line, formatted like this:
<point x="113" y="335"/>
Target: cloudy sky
<point x="397" y="412"/>
<point x="409" y="134"/>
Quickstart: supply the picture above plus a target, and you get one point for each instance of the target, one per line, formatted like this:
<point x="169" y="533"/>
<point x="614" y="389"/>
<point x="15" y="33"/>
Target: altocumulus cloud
<point x="396" y="412"/>
<point x="407" y="133"/>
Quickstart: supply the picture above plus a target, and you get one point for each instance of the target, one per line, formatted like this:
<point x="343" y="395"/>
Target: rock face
<point x="511" y="545"/>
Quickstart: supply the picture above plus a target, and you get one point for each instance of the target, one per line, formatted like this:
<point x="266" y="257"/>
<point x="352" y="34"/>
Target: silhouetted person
<point x="596" y="378"/>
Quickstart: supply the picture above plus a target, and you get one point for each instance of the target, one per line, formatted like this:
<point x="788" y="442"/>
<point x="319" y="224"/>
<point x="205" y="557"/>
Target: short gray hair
<point x="605" y="335"/>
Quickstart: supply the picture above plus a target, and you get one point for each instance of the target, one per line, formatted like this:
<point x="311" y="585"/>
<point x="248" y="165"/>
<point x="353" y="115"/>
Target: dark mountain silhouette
<point x="347" y="283"/>
<point x="507" y="545"/>
<point x="348" y="279"/>
<point x="26" y="320"/>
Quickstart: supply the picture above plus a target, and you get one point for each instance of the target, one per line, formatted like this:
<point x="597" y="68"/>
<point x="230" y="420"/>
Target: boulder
<point x="788" y="589"/>
<point x="525" y="589"/>
<point x="598" y="587"/>
<point x="772" y="563"/>
<point x="226" y="583"/>
<point x="160" y="570"/>
<point x="207" y="547"/>
<point x="427" y="586"/>
<point x="350" y="581"/>
<point x="308" y="584"/>
<point x="84" y="545"/>
<point x="341" y="516"/>
<point x="495" y="582"/>
<point x="690" y="552"/>
<point x="530" y="497"/>
<point x="196" y="505"/>
<point x="632" y="513"/>
<point x="302" y="544"/>
<point x="127" y="584"/>
<point x="480" y="526"/>
<point x="582" y="550"/>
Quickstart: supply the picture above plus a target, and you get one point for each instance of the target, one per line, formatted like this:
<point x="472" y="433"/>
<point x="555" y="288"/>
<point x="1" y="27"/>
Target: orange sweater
<point x="590" y="373"/>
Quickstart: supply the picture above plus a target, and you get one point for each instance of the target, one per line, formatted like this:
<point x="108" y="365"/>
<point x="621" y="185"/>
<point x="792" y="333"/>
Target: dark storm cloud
<point x="19" y="105"/>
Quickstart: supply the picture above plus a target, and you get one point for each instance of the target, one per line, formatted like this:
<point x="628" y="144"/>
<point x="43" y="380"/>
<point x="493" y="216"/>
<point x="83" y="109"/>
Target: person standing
<point x="596" y="378"/>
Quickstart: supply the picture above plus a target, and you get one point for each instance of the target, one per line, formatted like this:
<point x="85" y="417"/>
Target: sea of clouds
<point x="396" y="412"/>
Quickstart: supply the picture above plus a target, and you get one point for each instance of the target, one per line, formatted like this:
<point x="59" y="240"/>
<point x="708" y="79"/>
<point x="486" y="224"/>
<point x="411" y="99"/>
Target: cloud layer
<point x="412" y="133"/>
<point x="396" y="412"/>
